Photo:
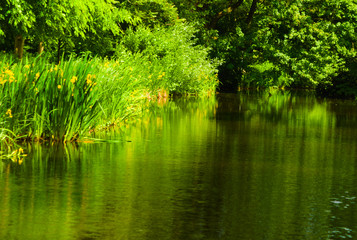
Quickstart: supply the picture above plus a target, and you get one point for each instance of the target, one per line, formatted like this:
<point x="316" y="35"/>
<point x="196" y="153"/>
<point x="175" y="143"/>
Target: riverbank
<point x="43" y="101"/>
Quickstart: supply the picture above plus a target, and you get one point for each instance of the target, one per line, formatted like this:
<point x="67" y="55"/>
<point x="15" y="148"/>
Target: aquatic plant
<point x="42" y="100"/>
<point x="9" y="149"/>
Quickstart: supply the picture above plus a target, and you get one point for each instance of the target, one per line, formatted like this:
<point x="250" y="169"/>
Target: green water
<point x="243" y="166"/>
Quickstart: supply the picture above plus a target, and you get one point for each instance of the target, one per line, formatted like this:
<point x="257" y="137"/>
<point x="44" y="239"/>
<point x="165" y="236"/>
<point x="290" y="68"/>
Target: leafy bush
<point x="344" y="85"/>
<point x="308" y="42"/>
<point x="186" y="66"/>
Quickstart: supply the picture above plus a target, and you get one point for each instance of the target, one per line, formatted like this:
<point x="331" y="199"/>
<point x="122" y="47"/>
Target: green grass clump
<point x="41" y="100"/>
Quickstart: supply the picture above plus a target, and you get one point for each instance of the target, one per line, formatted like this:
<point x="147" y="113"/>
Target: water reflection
<point x="245" y="166"/>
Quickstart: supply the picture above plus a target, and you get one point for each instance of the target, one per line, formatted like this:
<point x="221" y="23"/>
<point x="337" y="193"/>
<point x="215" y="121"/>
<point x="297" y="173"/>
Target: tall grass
<point x="9" y="149"/>
<point x="124" y="87"/>
<point x="41" y="100"/>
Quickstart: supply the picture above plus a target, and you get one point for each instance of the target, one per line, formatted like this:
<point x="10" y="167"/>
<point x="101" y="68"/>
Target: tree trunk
<point x="40" y="48"/>
<point x="19" y="46"/>
<point x="253" y="7"/>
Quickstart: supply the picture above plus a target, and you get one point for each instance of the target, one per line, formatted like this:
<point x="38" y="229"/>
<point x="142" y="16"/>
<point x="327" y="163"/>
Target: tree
<point x="126" y="15"/>
<point x="296" y="43"/>
<point x="19" y="15"/>
<point x="301" y="43"/>
<point x="78" y="26"/>
<point x="222" y="26"/>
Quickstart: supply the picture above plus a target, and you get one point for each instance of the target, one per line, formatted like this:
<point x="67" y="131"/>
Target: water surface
<point x="241" y="166"/>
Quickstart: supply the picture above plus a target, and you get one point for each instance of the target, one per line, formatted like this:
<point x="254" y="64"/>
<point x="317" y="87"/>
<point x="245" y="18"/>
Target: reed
<point x="41" y="100"/>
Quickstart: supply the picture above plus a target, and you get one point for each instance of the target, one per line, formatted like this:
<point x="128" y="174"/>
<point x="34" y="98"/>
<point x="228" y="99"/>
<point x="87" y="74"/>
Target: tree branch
<point x="252" y="10"/>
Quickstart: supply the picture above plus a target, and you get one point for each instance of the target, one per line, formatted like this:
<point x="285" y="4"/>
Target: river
<point x="251" y="165"/>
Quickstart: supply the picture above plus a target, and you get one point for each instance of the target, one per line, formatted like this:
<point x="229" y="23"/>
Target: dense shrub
<point x="186" y="65"/>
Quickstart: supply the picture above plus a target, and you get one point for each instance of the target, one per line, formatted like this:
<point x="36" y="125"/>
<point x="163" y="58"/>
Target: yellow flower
<point x="59" y="86"/>
<point x="21" y="150"/>
<point x="37" y="75"/>
<point x="9" y="72"/>
<point x="131" y="69"/>
<point x="89" y="81"/>
<point x="27" y="66"/>
<point x="8" y="112"/>
<point x="73" y="79"/>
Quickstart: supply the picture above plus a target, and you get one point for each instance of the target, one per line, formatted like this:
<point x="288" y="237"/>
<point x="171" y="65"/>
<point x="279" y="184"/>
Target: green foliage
<point x="297" y="43"/>
<point x="186" y="65"/>
<point x="60" y="102"/>
<point x="124" y="88"/>
<point x="211" y="13"/>
<point x="222" y="26"/>
<point x="78" y="26"/>
<point x="18" y="13"/>
<point x="9" y="149"/>
<point x="41" y="100"/>
<point x="152" y="12"/>
<point x="63" y="102"/>
<point x="344" y="85"/>
<point x="279" y="43"/>
<point x="308" y="41"/>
